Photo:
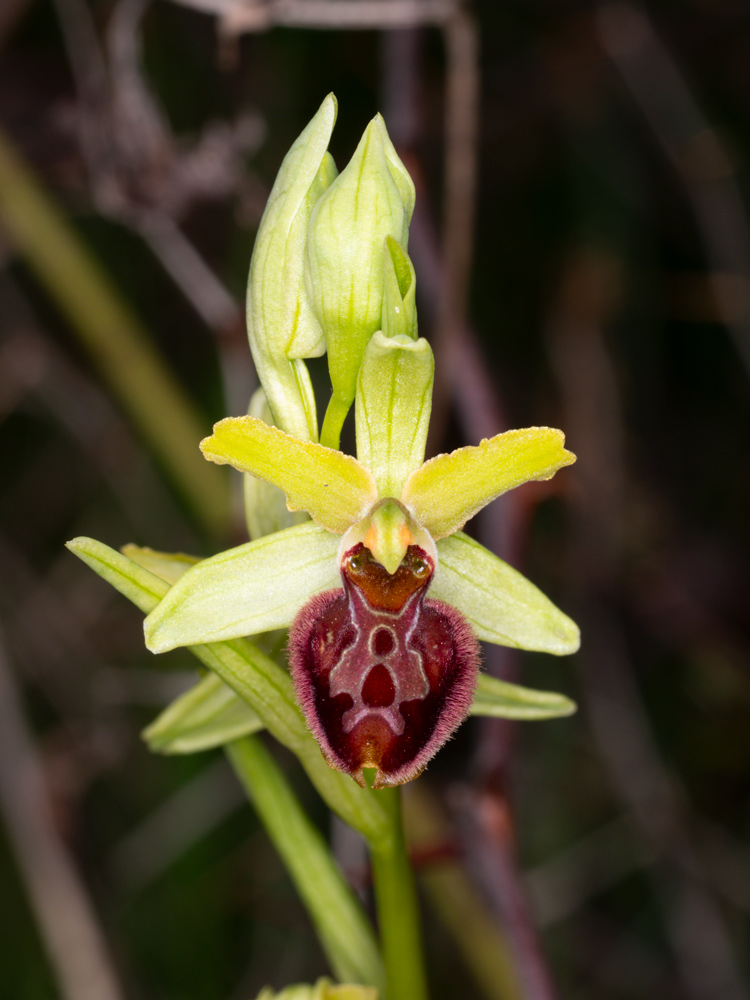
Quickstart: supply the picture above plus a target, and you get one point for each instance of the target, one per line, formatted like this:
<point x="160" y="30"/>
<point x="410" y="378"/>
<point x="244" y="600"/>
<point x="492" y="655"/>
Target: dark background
<point x="607" y="249"/>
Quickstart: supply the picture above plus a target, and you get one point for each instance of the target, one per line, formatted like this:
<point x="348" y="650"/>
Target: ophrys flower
<point x="383" y="672"/>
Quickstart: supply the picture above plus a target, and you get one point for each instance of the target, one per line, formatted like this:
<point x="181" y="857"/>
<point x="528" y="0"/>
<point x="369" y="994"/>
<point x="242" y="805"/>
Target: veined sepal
<point x="252" y="588"/>
<point x="500" y="604"/>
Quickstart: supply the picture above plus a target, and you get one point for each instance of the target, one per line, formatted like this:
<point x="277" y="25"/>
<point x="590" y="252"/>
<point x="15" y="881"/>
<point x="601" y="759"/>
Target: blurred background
<point x="582" y="249"/>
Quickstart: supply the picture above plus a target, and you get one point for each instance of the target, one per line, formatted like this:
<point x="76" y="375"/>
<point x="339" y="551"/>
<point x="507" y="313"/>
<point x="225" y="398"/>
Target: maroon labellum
<point x="383" y="675"/>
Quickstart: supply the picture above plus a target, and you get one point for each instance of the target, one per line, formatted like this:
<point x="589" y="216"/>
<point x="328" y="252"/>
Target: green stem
<point x="330" y="435"/>
<point x="343" y="928"/>
<point x="398" y="908"/>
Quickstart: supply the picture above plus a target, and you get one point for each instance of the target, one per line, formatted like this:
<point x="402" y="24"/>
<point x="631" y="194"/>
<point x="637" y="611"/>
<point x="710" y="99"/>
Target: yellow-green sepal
<point x="501" y="605"/>
<point x="501" y="700"/>
<point x="282" y="327"/>
<point x="348" y="227"/>
<point x="253" y="588"/>
<point x="332" y="487"/>
<point x="399" y="292"/>
<point x="392" y="411"/>
<point x="450" y="489"/>
<point x="208" y="715"/>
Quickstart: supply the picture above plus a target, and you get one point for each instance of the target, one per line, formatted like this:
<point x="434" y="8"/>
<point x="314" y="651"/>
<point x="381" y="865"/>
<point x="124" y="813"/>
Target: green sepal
<point x="449" y="489"/>
<point x="341" y="924"/>
<point x="206" y="716"/>
<point x="349" y="224"/>
<point x="282" y="326"/>
<point x="265" y="686"/>
<point x="399" y="292"/>
<point x="332" y="487"/>
<point x="501" y="605"/>
<point x="265" y="504"/>
<point x="502" y="700"/>
<point x="394" y="402"/>
<point x="252" y="588"/>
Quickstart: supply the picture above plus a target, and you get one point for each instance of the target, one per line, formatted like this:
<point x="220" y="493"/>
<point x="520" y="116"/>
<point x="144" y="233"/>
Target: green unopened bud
<point x="399" y="291"/>
<point x="394" y="400"/>
<point x="324" y="989"/>
<point x="265" y="504"/>
<point x="282" y="326"/>
<point x="371" y="199"/>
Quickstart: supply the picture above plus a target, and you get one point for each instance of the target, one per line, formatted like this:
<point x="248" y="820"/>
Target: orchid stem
<point x="398" y="908"/>
<point x="330" y="435"/>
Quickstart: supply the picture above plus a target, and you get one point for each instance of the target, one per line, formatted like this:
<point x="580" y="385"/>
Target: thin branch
<point x="696" y="152"/>
<point x="461" y="38"/>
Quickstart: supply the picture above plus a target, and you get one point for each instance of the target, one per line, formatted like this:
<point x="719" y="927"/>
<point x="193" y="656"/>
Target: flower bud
<point x="282" y="326"/>
<point x="371" y="199"/>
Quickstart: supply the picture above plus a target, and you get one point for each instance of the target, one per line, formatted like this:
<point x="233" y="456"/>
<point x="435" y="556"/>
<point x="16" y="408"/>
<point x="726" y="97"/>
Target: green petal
<point x="209" y="715"/>
<point x="394" y="401"/>
<point x="511" y="701"/>
<point x="249" y="589"/>
<point x="449" y="489"/>
<point x="332" y="487"/>
<point x="502" y="606"/>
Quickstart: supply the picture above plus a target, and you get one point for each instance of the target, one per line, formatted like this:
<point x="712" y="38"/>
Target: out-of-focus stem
<point x="113" y="337"/>
<point x="478" y="936"/>
<point x="398" y="908"/>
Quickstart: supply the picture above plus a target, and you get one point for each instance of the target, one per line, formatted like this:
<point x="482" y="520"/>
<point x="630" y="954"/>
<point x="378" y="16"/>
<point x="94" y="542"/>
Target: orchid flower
<point x="384" y="672"/>
<point x="385" y="597"/>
